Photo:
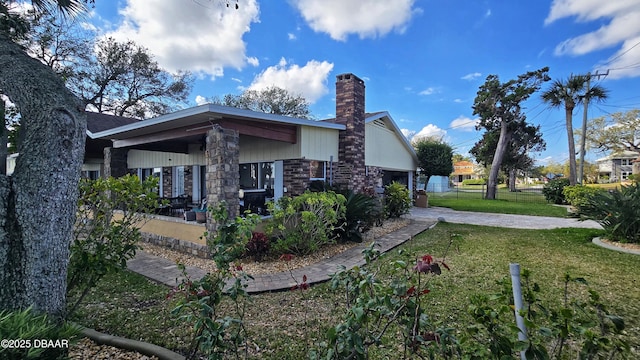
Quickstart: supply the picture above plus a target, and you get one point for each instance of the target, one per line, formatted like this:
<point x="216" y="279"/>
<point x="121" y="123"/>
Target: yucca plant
<point x="618" y="211"/>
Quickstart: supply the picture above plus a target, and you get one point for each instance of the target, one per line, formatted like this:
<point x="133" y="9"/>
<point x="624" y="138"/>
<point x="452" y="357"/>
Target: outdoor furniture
<point x="172" y="205"/>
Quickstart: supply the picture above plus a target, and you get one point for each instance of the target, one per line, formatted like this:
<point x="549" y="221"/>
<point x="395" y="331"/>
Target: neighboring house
<point x="463" y="170"/>
<point x="213" y="151"/>
<point x="616" y="167"/>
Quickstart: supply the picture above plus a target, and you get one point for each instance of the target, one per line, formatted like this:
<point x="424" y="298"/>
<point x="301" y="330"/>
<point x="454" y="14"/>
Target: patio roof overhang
<point x="178" y="129"/>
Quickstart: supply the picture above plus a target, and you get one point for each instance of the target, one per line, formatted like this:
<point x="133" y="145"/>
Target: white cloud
<point x="464" y="123"/>
<point x="408" y="133"/>
<point x="430" y="131"/>
<point x="458" y="101"/>
<point x="622" y="27"/>
<point x="309" y="80"/>
<point x="292" y="36"/>
<point x="367" y="18"/>
<point x="201" y="100"/>
<point x="203" y="37"/>
<point x="428" y="91"/>
<point x="471" y="76"/>
<point x="253" y="61"/>
<point x="236" y="80"/>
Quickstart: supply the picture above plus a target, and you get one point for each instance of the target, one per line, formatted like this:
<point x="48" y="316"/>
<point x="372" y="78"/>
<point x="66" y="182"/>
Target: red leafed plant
<point x="258" y="246"/>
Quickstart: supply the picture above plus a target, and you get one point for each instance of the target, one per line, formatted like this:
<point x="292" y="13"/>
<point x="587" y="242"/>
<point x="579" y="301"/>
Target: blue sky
<point x="422" y="61"/>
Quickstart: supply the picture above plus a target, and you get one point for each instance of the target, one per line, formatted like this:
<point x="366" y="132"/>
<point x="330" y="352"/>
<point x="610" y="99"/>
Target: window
<point x="91" y="174"/>
<point x="626" y="162"/>
<point x="624" y="175"/>
<point x="318" y="170"/>
<point x="255" y="176"/>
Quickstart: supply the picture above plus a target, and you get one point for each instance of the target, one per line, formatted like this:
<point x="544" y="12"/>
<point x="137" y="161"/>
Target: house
<point x="213" y="151"/>
<point x="463" y="170"/>
<point x="616" y="167"/>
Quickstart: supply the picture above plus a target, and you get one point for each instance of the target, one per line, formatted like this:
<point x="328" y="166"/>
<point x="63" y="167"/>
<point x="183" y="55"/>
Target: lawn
<point x="528" y="203"/>
<point x="281" y="324"/>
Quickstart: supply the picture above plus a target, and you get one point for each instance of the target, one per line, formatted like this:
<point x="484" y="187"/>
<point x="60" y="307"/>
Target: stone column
<point x="115" y="162"/>
<point x="223" y="171"/>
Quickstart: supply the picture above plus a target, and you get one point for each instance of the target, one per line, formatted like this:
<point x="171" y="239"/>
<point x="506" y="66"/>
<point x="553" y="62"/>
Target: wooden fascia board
<point x="285" y="133"/>
<point x="269" y="131"/>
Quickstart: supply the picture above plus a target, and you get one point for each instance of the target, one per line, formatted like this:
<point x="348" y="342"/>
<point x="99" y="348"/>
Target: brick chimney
<point x="351" y="171"/>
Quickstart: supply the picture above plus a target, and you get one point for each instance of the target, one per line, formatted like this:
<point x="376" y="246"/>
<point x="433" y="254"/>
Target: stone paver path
<point x="166" y="272"/>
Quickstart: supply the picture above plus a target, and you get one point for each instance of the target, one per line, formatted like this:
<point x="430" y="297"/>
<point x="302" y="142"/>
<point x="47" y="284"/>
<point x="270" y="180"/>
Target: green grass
<point x="464" y="202"/>
<point x="281" y="324"/>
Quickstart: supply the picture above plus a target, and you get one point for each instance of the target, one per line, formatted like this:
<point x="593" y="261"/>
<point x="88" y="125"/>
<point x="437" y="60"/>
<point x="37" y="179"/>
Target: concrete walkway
<point x="499" y="220"/>
<point x="166" y="272"/>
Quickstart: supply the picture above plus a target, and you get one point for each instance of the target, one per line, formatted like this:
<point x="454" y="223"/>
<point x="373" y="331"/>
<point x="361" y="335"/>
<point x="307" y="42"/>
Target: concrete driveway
<point x="499" y="220"/>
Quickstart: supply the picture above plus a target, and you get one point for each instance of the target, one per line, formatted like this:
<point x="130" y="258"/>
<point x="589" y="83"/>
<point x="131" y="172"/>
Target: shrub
<point x="618" y="211"/>
<point x="25" y="327"/>
<point x="579" y="195"/>
<point x="231" y="237"/>
<point x="474" y="182"/>
<point x="306" y="222"/>
<point x="396" y="200"/>
<point x="258" y="246"/>
<point x="218" y="332"/>
<point x="552" y="190"/>
<point x="362" y="212"/>
<point x="578" y="326"/>
<point x="104" y="239"/>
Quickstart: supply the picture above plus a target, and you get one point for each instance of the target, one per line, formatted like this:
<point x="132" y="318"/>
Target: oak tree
<point x="499" y="106"/>
<point x="38" y="202"/>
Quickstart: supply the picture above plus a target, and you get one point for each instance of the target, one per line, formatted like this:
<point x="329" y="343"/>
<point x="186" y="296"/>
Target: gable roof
<point x="385" y="119"/>
<point x="620" y="155"/>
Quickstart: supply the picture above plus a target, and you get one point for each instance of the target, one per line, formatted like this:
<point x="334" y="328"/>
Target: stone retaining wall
<point x="182" y="246"/>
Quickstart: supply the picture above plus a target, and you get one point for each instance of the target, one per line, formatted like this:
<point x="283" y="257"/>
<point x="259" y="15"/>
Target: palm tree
<point x="571" y="93"/>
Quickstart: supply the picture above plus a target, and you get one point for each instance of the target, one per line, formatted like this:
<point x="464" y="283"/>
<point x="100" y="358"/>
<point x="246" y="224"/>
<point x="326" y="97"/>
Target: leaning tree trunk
<point x="503" y="141"/>
<point x="38" y="202"/>
<point x="572" y="146"/>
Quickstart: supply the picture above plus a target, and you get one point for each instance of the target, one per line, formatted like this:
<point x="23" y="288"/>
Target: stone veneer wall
<point x="167" y="181"/>
<point x="182" y="246"/>
<point x="223" y="169"/>
<point x="296" y="176"/>
<point x="115" y="162"/>
<point x="374" y="177"/>
<point x="188" y="181"/>
<point x="350" y="172"/>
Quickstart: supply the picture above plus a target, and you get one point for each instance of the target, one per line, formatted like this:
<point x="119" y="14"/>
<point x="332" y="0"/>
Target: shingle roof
<point x="97" y="122"/>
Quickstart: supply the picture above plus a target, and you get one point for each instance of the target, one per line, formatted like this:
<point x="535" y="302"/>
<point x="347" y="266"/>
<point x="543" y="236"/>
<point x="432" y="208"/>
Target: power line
<point x="619" y="56"/>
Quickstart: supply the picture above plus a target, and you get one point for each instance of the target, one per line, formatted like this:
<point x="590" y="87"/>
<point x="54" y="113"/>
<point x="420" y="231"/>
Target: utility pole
<point x="584" y="122"/>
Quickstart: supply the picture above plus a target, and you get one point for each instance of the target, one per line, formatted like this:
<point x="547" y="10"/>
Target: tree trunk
<point x="503" y="141"/>
<point x="572" y="146"/>
<point x="512" y="180"/>
<point x="38" y="202"/>
<point x="4" y="136"/>
<point x="426" y="181"/>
